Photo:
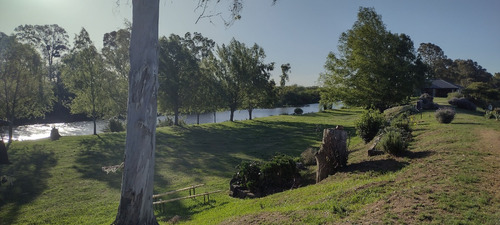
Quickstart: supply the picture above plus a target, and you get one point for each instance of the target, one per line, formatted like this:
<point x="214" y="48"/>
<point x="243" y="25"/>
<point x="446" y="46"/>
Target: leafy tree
<point x="85" y="75"/>
<point x="24" y="92"/>
<point x="285" y="70"/>
<point x="243" y="76"/>
<point x="374" y="67"/>
<point x="115" y="52"/>
<point x="178" y="69"/>
<point x="136" y="207"/>
<point x="482" y="93"/>
<point x="50" y="40"/>
<point x="469" y="71"/>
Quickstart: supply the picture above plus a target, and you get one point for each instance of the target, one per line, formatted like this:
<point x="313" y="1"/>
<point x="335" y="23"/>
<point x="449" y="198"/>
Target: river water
<point x="39" y="131"/>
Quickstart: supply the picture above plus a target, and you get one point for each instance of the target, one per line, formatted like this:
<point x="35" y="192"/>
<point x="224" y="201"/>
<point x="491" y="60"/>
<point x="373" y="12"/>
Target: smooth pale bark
<point x="136" y="203"/>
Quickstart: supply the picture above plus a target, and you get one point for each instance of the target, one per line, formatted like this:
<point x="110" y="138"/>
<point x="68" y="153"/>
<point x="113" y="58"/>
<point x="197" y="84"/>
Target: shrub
<point x="454" y="95"/>
<point x="492" y="114"/>
<point x="278" y="174"/>
<point x="398" y="110"/>
<point x="462" y="103"/>
<point x="393" y="141"/>
<point x="369" y="125"/>
<point x="249" y="175"/>
<point x="167" y="122"/>
<point x="307" y="157"/>
<point x="298" y="111"/>
<point x="403" y="122"/>
<point x="428" y="102"/>
<point x="114" y="125"/>
<point x="445" y="115"/>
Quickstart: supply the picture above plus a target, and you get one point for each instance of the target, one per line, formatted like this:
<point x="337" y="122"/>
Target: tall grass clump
<point x="428" y="101"/>
<point x="393" y="141"/>
<point x="369" y="124"/>
<point x="114" y="125"/>
<point x="445" y="115"/>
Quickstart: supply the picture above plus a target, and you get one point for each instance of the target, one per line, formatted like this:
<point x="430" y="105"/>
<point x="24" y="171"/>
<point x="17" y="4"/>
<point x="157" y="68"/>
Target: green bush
<point x="492" y="115"/>
<point x="114" y="125"/>
<point x="428" y="101"/>
<point x="249" y="175"/>
<point x="393" y="112"/>
<point x="167" y="122"/>
<point x="393" y="141"/>
<point x="445" y="115"/>
<point x="278" y="174"/>
<point x="462" y="103"/>
<point x="403" y="122"/>
<point x="369" y="124"/>
<point x="298" y="111"/>
<point x="454" y="95"/>
<point x="307" y="157"/>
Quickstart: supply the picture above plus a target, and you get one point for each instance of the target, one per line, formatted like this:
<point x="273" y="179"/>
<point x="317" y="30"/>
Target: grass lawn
<point x="450" y="175"/>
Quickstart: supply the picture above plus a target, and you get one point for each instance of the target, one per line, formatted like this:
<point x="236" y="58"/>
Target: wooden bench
<point x="192" y="194"/>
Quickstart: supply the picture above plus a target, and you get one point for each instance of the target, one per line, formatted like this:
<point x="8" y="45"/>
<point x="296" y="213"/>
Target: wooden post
<point x="333" y="152"/>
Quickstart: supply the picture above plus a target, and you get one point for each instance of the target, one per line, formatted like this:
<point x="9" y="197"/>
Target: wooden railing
<point x="192" y="194"/>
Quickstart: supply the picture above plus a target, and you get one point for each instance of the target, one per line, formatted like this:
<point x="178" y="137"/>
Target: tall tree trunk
<point x="198" y="118"/>
<point x="176" y="117"/>
<point x="250" y="113"/>
<point x="136" y="203"/>
<point x="95" y="126"/>
<point x="232" y="115"/>
<point x="215" y="117"/>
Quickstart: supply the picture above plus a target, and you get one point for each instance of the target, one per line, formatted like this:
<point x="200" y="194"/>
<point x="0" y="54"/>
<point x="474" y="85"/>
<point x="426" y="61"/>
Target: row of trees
<point x="40" y="72"/>
<point x="481" y="87"/>
<point x="375" y="68"/>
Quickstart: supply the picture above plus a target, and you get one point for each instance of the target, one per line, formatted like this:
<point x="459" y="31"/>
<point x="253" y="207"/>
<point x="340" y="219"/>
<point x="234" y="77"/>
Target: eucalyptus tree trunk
<point x="136" y="203"/>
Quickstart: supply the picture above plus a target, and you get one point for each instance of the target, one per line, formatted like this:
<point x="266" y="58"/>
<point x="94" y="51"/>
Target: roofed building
<point x="441" y="88"/>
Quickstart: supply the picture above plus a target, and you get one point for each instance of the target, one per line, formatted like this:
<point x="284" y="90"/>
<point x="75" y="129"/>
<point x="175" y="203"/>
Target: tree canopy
<point x="373" y="67"/>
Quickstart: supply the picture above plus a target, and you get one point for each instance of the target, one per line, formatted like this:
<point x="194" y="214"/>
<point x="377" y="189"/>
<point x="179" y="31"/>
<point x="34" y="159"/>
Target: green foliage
<point x="482" y="94"/>
<point x="114" y="125"/>
<point x="393" y="141"/>
<point x="298" y="111"/>
<point x="398" y="110"/>
<point x="85" y="75"/>
<point x="307" y="157"/>
<point x="462" y="103"/>
<point x="244" y="77"/>
<point x="374" y="67"/>
<point x="494" y="114"/>
<point x="167" y="122"/>
<point x="272" y="176"/>
<point x="428" y="101"/>
<point x="369" y="124"/>
<point x="445" y="115"/>
<point x="454" y="95"/>
<point x="403" y="122"/>
<point x="295" y="95"/>
<point x="25" y="91"/>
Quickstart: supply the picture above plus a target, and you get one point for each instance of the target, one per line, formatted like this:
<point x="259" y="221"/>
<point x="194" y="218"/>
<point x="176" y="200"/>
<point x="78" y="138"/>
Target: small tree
<point x="374" y="67"/>
<point x="24" y="91"/>
<point x="85" y="75"/>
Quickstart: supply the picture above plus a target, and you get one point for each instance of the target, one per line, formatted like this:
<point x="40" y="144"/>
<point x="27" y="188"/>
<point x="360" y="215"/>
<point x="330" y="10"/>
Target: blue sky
<point x="298" y="32"/>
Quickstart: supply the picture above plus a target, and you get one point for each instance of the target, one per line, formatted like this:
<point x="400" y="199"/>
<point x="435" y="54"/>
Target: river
<point x="39" y="131"/>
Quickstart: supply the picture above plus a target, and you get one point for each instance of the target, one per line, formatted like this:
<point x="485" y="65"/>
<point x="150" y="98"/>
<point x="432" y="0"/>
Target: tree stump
<point x="54" y="134"/>
<point x="332" y="153"/>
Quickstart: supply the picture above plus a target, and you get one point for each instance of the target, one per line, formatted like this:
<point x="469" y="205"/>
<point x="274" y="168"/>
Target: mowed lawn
<point x="450" y="175"/>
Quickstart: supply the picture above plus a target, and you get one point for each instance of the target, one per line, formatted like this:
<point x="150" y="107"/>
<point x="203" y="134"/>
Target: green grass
<point x="444" y="178"/>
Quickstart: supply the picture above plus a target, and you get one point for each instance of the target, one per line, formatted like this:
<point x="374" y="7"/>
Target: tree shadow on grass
<point x="97" y="151"/>
<point x="31" y="168"/>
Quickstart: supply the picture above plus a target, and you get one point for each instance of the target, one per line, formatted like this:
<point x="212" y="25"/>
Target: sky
<point x="299" y="32"/>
